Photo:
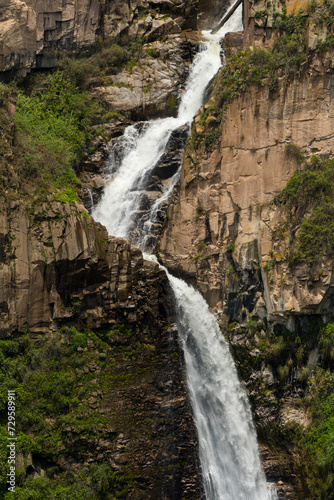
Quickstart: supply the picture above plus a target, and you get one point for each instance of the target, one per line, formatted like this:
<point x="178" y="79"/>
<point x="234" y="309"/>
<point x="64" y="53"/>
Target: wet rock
<point x="172" y="158"/>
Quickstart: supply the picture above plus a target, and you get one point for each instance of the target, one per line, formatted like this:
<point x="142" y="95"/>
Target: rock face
<point x="33" y="34"/>
<point x="221" y="230"/>
<point x="151" y="19"/>
<point x="211" y="11"/>
<point x="58" y="267"/>
<point x="31" y="31"/>
<point x="259" y="18"/>
<point x="220" y="234"/>
<point x="152" y="86"/>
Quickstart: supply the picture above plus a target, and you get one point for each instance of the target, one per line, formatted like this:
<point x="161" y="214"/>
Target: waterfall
<point x="229" y="455"/>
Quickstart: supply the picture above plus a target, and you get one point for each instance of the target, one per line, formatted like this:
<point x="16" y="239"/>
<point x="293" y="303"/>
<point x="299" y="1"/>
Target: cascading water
<point x="229" y="455"/>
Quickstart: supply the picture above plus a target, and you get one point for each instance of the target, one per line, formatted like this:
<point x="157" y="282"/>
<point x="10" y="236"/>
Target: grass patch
<point x="53" y="128"/>
<point x="318" y="438"/>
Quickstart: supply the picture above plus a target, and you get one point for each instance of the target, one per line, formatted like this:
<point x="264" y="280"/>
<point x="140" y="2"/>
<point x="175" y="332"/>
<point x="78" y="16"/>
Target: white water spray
<point x="229" y="455"/>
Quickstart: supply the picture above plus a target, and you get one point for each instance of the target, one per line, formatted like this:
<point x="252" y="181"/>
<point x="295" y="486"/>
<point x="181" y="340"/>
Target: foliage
<point x="308" y="198"/>
<point x="318" y="438"/>
<point x="98" y="482"/>
<point x="54" y="121"/>
<point x="326" y="343"/>
<point x="55" y="418"/>
<point x="82" y="71"/>
<point x="53" y="127"/>
<point x="260" y="66"/>
<point x="294" y="151"/>
<point x="153" y="53"/>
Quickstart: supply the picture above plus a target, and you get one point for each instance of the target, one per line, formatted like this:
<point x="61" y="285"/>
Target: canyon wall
<point x="61" y="272"/>
<point x="221" y="225"/>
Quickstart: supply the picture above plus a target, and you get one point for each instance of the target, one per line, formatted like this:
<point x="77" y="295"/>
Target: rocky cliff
<point x="224" y="219"/>
<point x="266" y="124"/>
<point x="77" y="302"/>
<point x="62" y="275"/>
<point x="83" y="316"/>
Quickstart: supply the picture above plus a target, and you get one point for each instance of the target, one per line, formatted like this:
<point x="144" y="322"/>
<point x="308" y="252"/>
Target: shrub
<point x="53" y="126"/>
<point x="308" y="199"/>
<point x="295" y="151"/>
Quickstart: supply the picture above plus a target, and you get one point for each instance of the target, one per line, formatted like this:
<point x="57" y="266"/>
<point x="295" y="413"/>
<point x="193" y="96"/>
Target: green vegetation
<point x="153" y="53"/>
<point x="286" y="354"/>
<point x="231" y="247"/>
<point x="83" y="71"/>
<point x="59" y="380"/>
<point x="262" y="67"/>
<point x="286" y="58"/>
<point x="53" y="126"/>
<point x="308" y="198"/>
<point x="54" y="120"/>
<point x="317" y="439"/>
<point x="199" y="211"/>
<point x="96" y="482"/>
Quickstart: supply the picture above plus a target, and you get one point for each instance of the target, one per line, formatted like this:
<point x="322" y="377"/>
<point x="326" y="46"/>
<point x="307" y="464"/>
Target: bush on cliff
<point x="308" y="198"/>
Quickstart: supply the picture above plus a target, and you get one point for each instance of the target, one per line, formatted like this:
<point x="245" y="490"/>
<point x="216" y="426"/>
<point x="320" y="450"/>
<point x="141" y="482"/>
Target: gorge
<point x="232" y="195"/>
<point x="230" y="462"/>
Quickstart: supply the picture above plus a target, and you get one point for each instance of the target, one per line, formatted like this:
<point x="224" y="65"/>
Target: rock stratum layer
<point x="34" y="34"/>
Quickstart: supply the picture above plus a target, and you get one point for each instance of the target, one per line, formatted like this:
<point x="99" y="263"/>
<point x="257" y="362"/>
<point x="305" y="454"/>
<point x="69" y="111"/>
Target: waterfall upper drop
<point x="121" y="198"/>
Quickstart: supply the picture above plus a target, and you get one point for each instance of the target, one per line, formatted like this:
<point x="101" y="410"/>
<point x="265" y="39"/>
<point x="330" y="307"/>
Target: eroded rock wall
<point x="31" y="31"/>
<point x="58" y="265"/>
<point x="33" y="34"/>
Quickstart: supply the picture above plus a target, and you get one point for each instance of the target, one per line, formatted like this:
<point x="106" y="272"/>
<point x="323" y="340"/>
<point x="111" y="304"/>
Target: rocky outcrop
<point x="221" y="234"/>
<point x="151" y="86"/>
<point x="33" y="35"/>
<point x="259" y="18"/>
<point x="30" y="32"/>
<point x="60" y="269"/>
<point x="150" y="19"/>
<point x="211" y="11"/>
<point x="59" y="266"/>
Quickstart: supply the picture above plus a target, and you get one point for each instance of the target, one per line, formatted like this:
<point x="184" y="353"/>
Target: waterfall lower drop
<point x="229" y="455"/>
<point x="231" y="466"/>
